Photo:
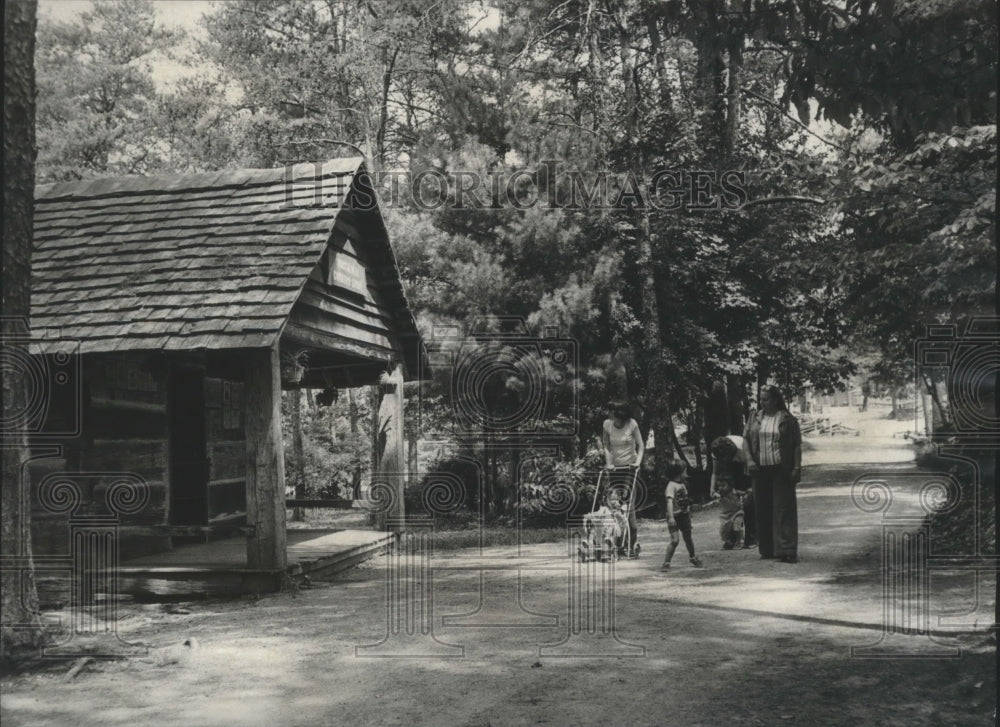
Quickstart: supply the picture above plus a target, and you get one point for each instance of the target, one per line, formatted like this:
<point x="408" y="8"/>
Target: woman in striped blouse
<point x="775" y="446"/>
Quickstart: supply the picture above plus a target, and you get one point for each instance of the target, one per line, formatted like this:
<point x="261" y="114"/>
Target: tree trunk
<point x="672" y="438"/>
<point x="661" y="423"/>
<point x="736" y="394"/>
<point x="20" y="624"/>
<point x="733" y="93"/>
<point x="939" y="408"/>
<point x="694" y="423"/>
<point x="352" y="413"/>
<point x="653" y="269"/>
<point x="299" y="474"/>
<point x="709" y="83"/>
<point x="595" y="68"/>
<point x="383" y="116"/>
<point x="659" y="58"/>
<point x="499" y="496"/>
<point x="515" y="477"/>
<point x="412" y="441"/>
<point x="716" y="408"/>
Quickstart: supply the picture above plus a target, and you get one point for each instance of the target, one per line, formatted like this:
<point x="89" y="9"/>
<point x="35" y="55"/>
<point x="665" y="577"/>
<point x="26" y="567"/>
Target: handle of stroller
<point x="629" y="535"/>
<point x="597" y="491"/>
<point x="631" y="494"/>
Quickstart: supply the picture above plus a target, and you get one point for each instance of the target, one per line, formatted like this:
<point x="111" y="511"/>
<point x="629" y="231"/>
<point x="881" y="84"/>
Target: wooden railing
<point x="328" y="504"/>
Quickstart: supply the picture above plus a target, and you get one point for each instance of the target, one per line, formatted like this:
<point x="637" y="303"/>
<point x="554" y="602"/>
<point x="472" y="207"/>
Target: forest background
<point x="793" y="192"/>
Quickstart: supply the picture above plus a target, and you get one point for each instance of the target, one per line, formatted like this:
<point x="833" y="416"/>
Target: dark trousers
<point x="750" y="518"/>
<point x="620" y="479"/>
<point x="777" y="512"/>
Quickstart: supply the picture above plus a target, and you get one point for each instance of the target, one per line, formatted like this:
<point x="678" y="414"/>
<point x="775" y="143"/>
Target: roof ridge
<point x="172" y="183"/>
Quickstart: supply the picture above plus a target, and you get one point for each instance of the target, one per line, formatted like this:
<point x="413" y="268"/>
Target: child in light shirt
<point x="678" y="516"/>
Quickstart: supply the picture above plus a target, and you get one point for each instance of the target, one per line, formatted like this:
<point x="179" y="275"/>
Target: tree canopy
<point x="723" y="191"/>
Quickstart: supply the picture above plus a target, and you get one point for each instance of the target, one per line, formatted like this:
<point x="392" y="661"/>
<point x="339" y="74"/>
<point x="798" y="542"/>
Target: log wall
<point x="120" y="402"/>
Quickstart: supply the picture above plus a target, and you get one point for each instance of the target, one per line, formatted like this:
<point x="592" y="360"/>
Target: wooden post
<point x="391" y="461"/>
<point x="413" y="433"/>
<point x="265" y="461"/>
<point x="298" y="515"/>
<point x="374" y="400"/>
<point x="352" y="412"/>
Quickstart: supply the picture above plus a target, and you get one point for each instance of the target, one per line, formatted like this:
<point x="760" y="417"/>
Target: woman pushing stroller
<point x="623" y="452"/>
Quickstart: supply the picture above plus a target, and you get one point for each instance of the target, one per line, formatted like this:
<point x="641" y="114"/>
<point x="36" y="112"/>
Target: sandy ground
<point x="527" y="636"/>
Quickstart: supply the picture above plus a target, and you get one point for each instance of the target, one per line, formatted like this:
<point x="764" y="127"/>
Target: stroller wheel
<point x="610" y="550"/>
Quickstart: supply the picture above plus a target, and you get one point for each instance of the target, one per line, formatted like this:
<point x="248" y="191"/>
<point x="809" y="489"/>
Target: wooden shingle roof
<point x="197" y="261"/>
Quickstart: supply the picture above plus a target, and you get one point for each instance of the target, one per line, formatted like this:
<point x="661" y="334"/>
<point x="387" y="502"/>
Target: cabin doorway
<point x="188" y="453"/>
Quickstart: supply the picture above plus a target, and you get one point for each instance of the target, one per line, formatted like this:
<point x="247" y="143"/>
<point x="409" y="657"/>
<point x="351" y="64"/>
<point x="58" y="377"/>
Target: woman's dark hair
<point x="621" y="409"/>
<point x="675" y="470"/>
<point x="775" y="393"/>
<point x="723" y="449"/>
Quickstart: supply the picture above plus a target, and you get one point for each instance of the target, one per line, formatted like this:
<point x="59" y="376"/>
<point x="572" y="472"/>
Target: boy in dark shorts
<point x="678" y="516"/>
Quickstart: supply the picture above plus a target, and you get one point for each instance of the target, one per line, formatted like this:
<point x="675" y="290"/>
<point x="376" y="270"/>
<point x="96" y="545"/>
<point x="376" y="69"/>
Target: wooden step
<point x="316" y="554"/>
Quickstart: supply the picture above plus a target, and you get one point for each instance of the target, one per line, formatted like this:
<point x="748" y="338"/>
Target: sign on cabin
<point x="346" y="272"/>
<point x="119" y="379"/>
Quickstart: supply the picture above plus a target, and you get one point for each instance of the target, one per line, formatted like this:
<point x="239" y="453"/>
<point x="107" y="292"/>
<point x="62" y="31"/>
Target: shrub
<point x="554" y="490"/>
<point x="970" y="525"/>
<point x="451" y="485"/>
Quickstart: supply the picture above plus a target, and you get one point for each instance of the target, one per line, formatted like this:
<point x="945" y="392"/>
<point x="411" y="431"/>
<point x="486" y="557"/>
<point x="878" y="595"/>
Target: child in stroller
<point x="604" y="529"/>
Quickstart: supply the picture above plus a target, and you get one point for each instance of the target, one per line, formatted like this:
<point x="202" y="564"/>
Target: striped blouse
<point x="770" y="451"/>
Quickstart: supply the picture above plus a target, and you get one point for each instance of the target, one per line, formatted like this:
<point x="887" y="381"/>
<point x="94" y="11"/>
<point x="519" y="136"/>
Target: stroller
<point x="606" y="530"/>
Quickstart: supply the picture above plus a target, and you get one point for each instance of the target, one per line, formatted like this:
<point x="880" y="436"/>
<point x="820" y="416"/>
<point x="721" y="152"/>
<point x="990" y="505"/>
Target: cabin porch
<point x="215" y="568"/>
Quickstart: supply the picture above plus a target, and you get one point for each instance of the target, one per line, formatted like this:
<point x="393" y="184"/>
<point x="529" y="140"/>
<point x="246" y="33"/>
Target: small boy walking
<point x="678" y="516"/>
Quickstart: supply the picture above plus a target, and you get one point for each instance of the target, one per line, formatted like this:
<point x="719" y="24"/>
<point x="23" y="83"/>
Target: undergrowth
<point x="967" y="526"/>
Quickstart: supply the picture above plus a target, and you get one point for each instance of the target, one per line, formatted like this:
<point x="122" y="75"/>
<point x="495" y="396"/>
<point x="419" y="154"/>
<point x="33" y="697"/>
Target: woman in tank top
<point x="623" y="452"/>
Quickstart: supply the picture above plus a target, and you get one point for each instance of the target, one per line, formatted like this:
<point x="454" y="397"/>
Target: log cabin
<point x="167" y="315"/>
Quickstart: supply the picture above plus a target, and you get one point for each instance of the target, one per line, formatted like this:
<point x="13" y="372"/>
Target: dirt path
<point x="739" y="642"/>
